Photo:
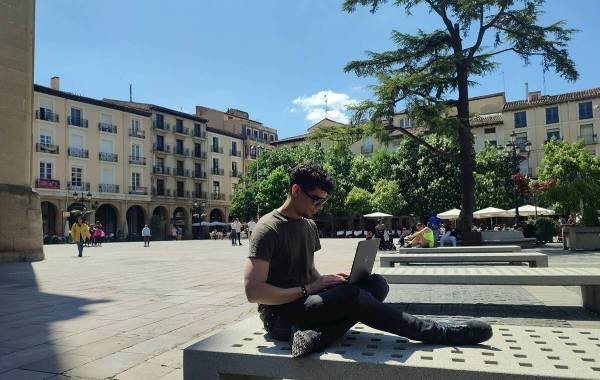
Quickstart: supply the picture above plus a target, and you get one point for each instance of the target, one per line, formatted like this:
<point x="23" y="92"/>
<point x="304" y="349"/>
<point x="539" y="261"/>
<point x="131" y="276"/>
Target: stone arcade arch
<point x="136" y="218"/>
<point x="108" y="215"/>
<point x="159" y="223"/>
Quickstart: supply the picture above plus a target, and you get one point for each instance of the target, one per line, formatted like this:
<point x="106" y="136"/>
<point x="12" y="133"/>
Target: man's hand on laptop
<point x="325" y="281"/>
<point x="344" y="274"/>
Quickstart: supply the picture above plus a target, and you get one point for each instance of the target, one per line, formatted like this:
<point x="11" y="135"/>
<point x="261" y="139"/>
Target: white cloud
<point x="337" y="106"/>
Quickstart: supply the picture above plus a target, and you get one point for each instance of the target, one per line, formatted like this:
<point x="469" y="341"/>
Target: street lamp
<point x="197" y="212"/>
<point x="515" y="148"/>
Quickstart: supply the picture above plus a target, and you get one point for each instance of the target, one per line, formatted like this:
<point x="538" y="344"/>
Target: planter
<point x="586" y="238"/>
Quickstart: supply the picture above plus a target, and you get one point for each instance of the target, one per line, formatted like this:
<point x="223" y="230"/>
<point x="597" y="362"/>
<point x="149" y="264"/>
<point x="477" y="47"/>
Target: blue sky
<point x="271" y="58"/>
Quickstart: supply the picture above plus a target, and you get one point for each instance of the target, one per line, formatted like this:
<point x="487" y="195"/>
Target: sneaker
<point x="305" y="342"/>
<point x="469" y="332"/>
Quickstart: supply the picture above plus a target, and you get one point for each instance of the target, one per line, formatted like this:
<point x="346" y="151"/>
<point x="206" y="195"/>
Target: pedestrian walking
<point x="238" y="230"/>
<point x="80" y="233"/>
<point x="251" y="225"/>
<point x="99" y="234"/>
<point x="174" y="233"/>
<point x="233" y="236"/>
<point x="146" y="235"/>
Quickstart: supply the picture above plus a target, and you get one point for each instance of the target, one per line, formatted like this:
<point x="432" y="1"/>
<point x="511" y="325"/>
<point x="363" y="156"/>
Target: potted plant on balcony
<point x="572" y="182"/>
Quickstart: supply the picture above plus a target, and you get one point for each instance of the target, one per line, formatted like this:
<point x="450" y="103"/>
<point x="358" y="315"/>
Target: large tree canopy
<point x="430" y="72"/>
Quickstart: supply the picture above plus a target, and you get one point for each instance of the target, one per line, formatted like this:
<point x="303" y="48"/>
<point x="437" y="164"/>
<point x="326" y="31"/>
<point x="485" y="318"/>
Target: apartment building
<point x="255" y="136"/>
<point x="91" y="151"/>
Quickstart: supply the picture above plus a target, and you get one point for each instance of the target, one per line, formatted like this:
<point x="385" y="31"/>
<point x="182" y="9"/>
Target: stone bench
<point x="534" y="259"/>
<point x="507" y="237"/>
<point x="587" y="278"/>
<point x="470" y="249"/>
<point x="242" y="351"/>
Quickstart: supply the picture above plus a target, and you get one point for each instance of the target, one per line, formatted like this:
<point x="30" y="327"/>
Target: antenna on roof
<point x="130" y="92"/>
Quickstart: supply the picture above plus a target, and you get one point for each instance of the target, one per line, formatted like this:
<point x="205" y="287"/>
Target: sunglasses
<point x="317" y="201"/>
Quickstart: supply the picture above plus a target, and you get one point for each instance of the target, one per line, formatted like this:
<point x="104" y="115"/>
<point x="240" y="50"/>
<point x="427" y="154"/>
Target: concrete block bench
<point x="587" y="278"/>
<point x="534" y="259"/>
<point x="471" y="249"/>
<point x="243" y="351"/>
<point x="506" y="237"/>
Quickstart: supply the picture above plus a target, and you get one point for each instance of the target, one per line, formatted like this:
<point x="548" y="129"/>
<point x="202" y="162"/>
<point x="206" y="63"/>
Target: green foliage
<point x="272" y="191"/>
<point x="361" y="173"/>
<point x="546" y="228"/>
<point x="358" y="201"/>
<point x="243" y="205"/>
<point x="493" y="185"/>
<point x="575" y="178"/>
<point x="386" y="197"/>
<point x="338" y="162"/>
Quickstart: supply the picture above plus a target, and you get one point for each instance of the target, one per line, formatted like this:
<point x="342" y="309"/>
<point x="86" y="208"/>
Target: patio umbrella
<point x="490" y="212"/>
<point x="377" y="215"/>
<point x="450" y="214"/>
<point x="529" y="210"/>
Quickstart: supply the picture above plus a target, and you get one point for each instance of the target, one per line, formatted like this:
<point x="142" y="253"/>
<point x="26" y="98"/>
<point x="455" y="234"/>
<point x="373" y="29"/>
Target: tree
<point x="358" y="201"/>
<point x="493" y="186"/>
<point x="338" y="163"/>
<point x="572" y="178"/>
<point x="432" y="71"/>
<point x="273" y="190"/>
<point x="386" y="197"/>
<point x="361" y="173"/>
<point x="243" y="204"/>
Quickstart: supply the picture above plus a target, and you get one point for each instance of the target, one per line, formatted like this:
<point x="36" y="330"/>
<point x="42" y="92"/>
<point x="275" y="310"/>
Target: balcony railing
<point x="137" y="132"/>
<point x="140" y="190"/>
<point x="200" y="155"/>
<point x="137" y="160"/>
<point x="182" y="193"/>
<point x="258" y="139"/>
<point x="218" y="196"/>
<point x="588" y="139"/>
<point x="105" y="127"/>
<point x="47" y="115"/>
<point x="368" y="149"/>
<point x="199" y="135"/>
<point x="199" y="174"/>
<point x="217" y="171"/>
<point x="108" y="188"/>
<point x="162" y="126"/>
<point x="109" y="157"/>
<point x="182" y="152"/>
<point x="79" y="152"/>
<point x="182" y="130"/>
<point x="77" y="122"/>
<point x="161" y="170"/>
<point x="199" y="194"/>
<point x="234" y="174"/>
<point x="216" y="149"/>
<point x="42" y="183"/>
<point x="164" y="148"/>
<point x="182" y="172"/>
<point x="81" y="186"/>
<point x="161" y="192"/>
<point x="235" y="153"/>
<point x="46" y="148"/>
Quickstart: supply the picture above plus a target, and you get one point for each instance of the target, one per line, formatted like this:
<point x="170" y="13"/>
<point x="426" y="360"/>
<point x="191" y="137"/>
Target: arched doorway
<point x="107" y="216"/>
<point x="180" y="219"/>
<point x="216" y="215"/>
<point x="136" y="219"/>
<point x="49" y="219"/>
<point x="159" y="223"/>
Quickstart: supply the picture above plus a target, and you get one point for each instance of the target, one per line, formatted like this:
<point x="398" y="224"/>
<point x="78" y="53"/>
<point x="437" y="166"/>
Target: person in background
<point x="92" y="235"/>
<point x="238" y="230"/>
<point x="146" y="235"/>
<point x="233" y="236"/>
<point x="422" y="238"/>
<point x="434" y="224"/>
<point x="448" y="237"/>
<point x="174" y="233"/>
<point x="80" y="232"/>
<point x="251" y="225"/>
<point x="369" y="235"/>
<point x="99" y="234"/>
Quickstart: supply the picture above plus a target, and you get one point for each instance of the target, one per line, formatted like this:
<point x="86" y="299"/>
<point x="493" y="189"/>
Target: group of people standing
<point x="84" y="235"/>
<point x="236" y="230"/>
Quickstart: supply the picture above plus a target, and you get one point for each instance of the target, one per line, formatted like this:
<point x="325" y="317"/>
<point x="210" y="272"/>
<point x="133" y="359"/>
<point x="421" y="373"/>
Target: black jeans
<point x="334" y="311"/>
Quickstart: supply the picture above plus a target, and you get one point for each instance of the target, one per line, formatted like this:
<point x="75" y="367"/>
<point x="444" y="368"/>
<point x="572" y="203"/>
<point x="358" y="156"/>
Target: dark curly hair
<point x="309" y="175"/>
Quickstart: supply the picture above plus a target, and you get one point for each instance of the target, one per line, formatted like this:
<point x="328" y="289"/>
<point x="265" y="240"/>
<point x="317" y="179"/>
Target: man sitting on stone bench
<point x="296" y="302"/>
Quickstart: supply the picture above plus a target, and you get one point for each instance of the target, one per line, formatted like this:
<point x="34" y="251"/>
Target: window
<point x="160" y="162"/>
<point x="216" y="163"/>
<point x="521" y="139"/>
<point x="106" y="119"/>
<point x="106" y="146"/>
<point x="586" y="132"/>
<point x="179" y="124"/>
<point x="405" y="123"/>
<point x="45" y="170"/>
<point x="179" y="145"/>
<point x="135" y="151"/>
<point x="216" y="187"/>
<point x="553" y="133"/>
<point x="255" y="134"/>
<point x="489" y="130"/>
<point x="585" y="110"/>
<point x="271" y="138"/>
<point x="215" y="142"/>
<point x="76" y="141"/>
<point x="234" y="167"/>
<point x="180" y="188"/>
<point x="197" y="150"/>
<point x="160" y="121"/>
<point x="75" y="115"/>
<point x="136" y="179"/>
<point x="233" y="147"/>
<point x="160" y="186"/>
<point x="107" y="176"/>
<point x="180" y="167"/>
<point x="520" y="119"/>
<point x="197" y="169"/>
<point x="160" y="142"/>
<point x="76" y="176"/>
<point x="197" y="129"/>
<point x="551" y="115"/>
<point x="45" y="138"/>
<point x="135" y="125"/>
<point x="198" y="188"/>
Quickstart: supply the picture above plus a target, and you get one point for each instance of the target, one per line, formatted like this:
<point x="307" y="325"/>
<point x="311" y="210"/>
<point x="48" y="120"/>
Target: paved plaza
<point x="126" y="312"/>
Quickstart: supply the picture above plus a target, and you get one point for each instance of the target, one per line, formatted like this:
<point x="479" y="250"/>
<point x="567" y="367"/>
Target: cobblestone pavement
<point x="126" y="311"/>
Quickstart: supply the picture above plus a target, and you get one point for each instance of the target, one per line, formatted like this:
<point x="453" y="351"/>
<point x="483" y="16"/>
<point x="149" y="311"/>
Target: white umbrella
<point x="490" y="212"/>
<point x="450" y="214"/>
<point x="378" y="215"/>
<point x="529" y="210"/>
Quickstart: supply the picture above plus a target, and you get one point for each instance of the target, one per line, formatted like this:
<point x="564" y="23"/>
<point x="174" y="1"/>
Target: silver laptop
<point x="364" y="259"/>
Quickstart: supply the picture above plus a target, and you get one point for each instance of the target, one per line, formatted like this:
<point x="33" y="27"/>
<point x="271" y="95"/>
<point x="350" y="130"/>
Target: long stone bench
<point x="471" y="249"/>
<point x="243" y="351"/>
<point x="534" y="259"/>
<point x="587" y="278"/>
<point x="507" y="237"/>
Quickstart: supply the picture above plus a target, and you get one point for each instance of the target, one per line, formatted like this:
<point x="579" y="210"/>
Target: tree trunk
<point x="466" y="154"/>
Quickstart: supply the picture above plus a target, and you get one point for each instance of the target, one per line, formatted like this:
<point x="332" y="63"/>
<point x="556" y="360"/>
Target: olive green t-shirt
<point x="288" y="245"/>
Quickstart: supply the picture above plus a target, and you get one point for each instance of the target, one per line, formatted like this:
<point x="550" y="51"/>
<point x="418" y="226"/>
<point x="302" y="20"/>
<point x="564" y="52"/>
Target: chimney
<point x="55" y="83"/>
<point x="534" y="96"/>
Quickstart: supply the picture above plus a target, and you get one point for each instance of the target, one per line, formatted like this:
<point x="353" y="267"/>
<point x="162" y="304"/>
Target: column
<point x="21" y="221"/>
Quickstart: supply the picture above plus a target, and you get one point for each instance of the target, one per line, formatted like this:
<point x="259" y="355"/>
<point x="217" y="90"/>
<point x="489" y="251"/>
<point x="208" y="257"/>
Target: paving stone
<point x="59" y="363"/>
<point x="108" y="366"/>
<point x="108" y="346"/>
<point x="145" y="371"/>
<point x="21" y="374"/>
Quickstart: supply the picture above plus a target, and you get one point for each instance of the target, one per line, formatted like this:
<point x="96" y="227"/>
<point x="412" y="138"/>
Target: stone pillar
<point x="21" y="219"/>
